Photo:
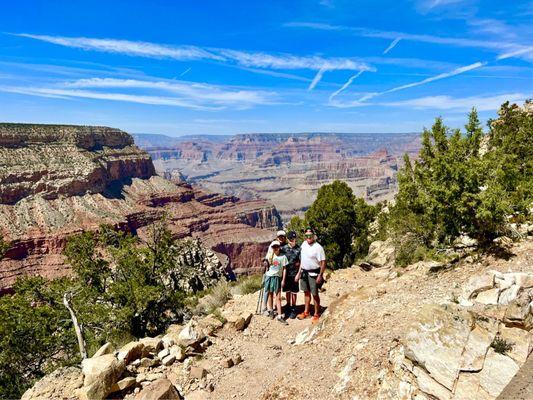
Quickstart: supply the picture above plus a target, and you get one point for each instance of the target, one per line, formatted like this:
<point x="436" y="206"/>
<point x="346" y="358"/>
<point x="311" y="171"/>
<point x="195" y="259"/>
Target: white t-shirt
<point x="311" y="256"/>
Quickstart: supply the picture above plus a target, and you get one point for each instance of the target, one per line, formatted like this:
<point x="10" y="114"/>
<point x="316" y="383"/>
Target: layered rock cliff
<point x="58" y="180"/>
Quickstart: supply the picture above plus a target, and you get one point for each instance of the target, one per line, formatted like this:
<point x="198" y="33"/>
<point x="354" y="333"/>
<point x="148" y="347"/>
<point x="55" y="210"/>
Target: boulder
<point x="510" y="294"/>
<point x="430" y="386"/>
<point x="497" y="372"/>
<point x="163" y="353"/>
<point x="238" y="321"/>
<point x="178" y="352"/>
<point x="381" y="254"/>
<point x="524" y="279"/>
<point x="467" y="388"/>
<point x="436" y="339"/>
<point x="105" y="349"/>
<point x="130" y="352"/>
<point x="60" y="384"/>
<point x="101" y="373"/>
<point x="477" y="284"/>
<point x="151" y="345"/>
<point x="476" y="348"/>
<point x="189" y="335"/>
<point x="123" y="384"/>
<point x="160" y="389"/>
<point x="488" y="296"/>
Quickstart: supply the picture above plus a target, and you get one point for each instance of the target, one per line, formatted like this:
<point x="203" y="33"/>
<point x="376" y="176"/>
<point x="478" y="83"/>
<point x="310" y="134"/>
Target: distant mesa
<point x="286" y="169"/>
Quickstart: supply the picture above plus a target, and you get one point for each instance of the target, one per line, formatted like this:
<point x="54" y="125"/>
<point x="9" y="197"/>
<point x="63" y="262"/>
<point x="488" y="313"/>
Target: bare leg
<point x="269" y="301"/>
<point x="317" y="304"/>
<point x="278" y="302"/>
<point x="294" y="297"/>
<point x="307" y="301"/>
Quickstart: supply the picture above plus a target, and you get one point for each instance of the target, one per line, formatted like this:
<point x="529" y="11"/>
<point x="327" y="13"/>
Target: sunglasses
<point x="275" y="247"/>
<point x="309" y="236"/>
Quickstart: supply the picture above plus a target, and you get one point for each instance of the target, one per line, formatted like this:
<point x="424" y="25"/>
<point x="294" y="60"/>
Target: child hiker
<point x="274" y="278"/>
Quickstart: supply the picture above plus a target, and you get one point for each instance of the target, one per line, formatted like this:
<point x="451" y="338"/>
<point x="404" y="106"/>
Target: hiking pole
<point x="259" y="306"/>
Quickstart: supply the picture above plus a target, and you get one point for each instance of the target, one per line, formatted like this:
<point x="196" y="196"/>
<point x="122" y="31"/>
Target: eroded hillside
<point x="427" y="331"/>
<point x="58" y="180"/>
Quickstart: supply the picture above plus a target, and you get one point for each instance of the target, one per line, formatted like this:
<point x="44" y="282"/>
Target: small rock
<point x="197" y="372"/>
<point x="163" y="353"/>
<point x="123" y="384"/>
<point x="227" y="363"/>
<point x="161" y="389"/>
<point x="168" y="360"/>
<point x="237" y="359"/>
<point x="178" y="352"/>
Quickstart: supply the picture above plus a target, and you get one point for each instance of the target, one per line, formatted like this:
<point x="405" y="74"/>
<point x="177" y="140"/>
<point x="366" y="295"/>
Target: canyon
<point x="60" y="180"/>
<point x="284" y="169"/>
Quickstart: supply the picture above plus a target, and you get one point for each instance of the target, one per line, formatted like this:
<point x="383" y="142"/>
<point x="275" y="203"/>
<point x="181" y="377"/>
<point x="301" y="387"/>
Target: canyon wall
<point x="285" y="169"/>
<point x="57" y="180"/>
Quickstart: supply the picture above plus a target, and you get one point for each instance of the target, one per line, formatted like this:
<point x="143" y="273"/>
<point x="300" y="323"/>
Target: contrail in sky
<point x="392" y="45"/>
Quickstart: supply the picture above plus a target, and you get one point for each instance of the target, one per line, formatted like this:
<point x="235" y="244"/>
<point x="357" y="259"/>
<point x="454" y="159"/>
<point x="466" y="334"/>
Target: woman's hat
<point x="275" y="243"/>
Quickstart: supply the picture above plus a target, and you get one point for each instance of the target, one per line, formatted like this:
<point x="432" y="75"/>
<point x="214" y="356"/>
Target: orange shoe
<point x="303" y="315"/>
<point x="315" y="319"/>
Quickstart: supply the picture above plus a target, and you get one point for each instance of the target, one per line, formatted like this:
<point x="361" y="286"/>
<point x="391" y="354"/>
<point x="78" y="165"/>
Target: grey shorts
<point x="308" y="283"/>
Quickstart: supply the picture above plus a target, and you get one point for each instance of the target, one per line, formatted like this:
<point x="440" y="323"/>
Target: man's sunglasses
<point x="309" y="236"/>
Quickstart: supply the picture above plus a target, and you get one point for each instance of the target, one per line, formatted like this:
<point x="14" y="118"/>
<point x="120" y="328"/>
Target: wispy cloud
<point x="279" y="61"/>
<point x="345" y="86"/>
<point x="193" y="91"/>
<point x="133" y="48"/>
<point x="520" y="52"/>
<point x="186" y="71"/>
<point x="482" y="103"/>
<point x="392" y="45"/>
<point x="428" y="5"/>
<point x="130" y="98"/>
<point x="449" y="74"/>
<point x="316" y="79"/>
<point x="168" y="93"/>
<point x="392" y="35"/>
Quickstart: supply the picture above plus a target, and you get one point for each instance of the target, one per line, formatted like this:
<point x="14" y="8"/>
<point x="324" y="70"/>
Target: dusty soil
<point x="367" y="313"/>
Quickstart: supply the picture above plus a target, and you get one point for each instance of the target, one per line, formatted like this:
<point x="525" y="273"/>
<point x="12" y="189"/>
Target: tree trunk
<point x="79" y="335"/>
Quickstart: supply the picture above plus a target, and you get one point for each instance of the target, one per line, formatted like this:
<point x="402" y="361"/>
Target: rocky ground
<point x="386" y="333"/>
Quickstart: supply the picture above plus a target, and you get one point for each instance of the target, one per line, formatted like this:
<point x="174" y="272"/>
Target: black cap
<point x="291" y="235"/>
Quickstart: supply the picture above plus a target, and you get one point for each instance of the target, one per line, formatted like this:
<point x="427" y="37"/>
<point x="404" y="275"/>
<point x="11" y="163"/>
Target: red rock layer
<point x="40" y="211"/>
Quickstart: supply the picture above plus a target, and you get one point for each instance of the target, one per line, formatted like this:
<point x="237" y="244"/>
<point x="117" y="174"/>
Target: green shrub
<point x="248" y="284"/>
<point x="501" y="346"/>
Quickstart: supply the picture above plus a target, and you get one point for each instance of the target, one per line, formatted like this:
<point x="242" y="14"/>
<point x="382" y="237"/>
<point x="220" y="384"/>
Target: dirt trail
<point x="367" y="314"/>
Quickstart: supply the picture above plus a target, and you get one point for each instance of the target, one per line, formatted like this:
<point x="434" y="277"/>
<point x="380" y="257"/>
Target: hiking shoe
<point x="315" y="319"/>
<point x="303" y="315"/>
<point x="292" y="315"/>
<point x="266" y="313"/>
<point x="272" y="314"/>
<point x="280" y="319"/>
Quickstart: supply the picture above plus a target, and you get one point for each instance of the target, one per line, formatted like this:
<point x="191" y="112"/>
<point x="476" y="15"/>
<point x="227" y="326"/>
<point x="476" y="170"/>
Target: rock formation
<point x="285" y="169"/>
<point x="59" y="180"/>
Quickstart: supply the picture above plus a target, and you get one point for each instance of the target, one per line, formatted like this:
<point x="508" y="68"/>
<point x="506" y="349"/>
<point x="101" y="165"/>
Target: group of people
<point x="289" y="268"/>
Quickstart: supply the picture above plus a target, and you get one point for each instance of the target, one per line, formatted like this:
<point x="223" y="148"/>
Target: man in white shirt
<point x="311" y="273"/>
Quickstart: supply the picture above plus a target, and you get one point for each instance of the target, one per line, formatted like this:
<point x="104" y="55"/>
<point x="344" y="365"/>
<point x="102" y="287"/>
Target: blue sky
<point x="191" y="67"/>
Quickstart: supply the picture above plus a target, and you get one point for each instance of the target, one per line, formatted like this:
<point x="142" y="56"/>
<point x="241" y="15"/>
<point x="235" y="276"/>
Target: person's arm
<point x="322" y="255"/>
<point x="299" y="264"/>
<point x="284" y="273"/>
<point x="320" y="276"/>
